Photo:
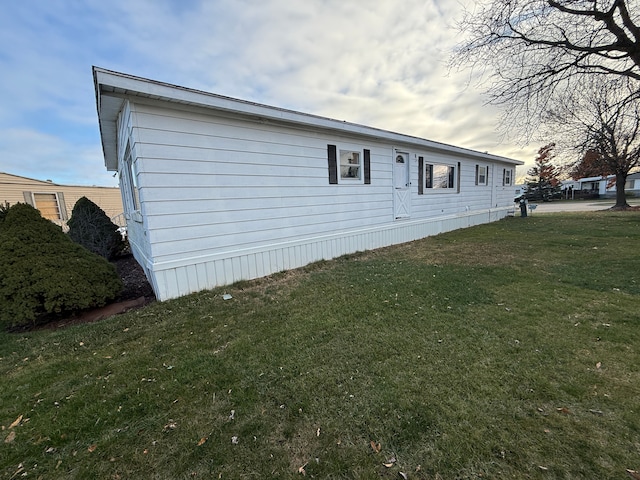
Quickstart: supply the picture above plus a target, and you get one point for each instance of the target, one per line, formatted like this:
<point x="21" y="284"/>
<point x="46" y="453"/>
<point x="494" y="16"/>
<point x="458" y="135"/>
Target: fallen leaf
<point x="390" y="462"/>
<point x="318" y="432"/>
<point x="92" y="448"/>
<point x="544" y="469"/>
<point x="302" y="470"/>
<point x="564" y="410"/>
<point x="202" y="441"/>
<point x="633" y="474"/>
<point x="11" y="437"/>
<point x="16" y="422"/>
<point x="403" y="475"/>
<point x="172" y="425"/>
<point x="18" y="471"/>
<point x="375" y="446"/>
<point x="234" y="440"/>
<point x="596" y="412"/>
<point x="145" y="451"/>
<point x="598" y="365"/>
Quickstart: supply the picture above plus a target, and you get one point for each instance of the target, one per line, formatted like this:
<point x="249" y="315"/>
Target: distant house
<point x="217" y="190"/>
<point x="56" y="201"/>
<point x="604" y="187"/>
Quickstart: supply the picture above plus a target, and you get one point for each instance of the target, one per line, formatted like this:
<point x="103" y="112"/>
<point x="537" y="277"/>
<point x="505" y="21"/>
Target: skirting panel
<point x="173" y="279"/>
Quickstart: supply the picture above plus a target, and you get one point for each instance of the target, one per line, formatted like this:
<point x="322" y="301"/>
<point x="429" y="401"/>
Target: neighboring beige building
<point x="55" y="201"/>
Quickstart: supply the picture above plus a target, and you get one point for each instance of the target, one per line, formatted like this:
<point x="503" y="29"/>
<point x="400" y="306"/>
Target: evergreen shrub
<point x="44" y="274"/>
<point x="4" y="208"/>
<point x="93" y="229"/>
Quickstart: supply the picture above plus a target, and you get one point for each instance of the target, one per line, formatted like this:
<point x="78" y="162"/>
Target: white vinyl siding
<point x="223" y="198"/>
<point x="215" y="183"/>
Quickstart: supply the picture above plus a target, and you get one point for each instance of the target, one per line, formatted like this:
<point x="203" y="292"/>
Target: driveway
<point x="574" y="206"/>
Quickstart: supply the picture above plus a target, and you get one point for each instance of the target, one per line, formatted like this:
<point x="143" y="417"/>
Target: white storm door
<point x="401" y="188"/>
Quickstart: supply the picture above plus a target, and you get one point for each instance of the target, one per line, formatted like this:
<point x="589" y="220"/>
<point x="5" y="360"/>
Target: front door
<point x="401" y="189"/>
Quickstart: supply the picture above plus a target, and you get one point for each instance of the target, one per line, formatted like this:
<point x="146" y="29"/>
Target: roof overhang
<point x="113" y="88"/>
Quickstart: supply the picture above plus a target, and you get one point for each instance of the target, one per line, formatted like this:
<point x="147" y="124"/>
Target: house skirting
<point x="176" y="278"/>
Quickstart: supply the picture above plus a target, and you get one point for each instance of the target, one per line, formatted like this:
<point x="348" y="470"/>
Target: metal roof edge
<point x="130" y="85"/>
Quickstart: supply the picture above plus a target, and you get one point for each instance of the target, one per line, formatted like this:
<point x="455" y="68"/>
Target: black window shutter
<point x="333" y="164"/>
<point x="477" y="173"/>
<point x="367" y="167"/>
<point x="420" y="175"/>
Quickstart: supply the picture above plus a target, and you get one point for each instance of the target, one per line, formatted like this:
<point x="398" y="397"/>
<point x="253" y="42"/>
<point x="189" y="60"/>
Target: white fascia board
<point x="595" y="179"/>
<point x="115" y="84"/>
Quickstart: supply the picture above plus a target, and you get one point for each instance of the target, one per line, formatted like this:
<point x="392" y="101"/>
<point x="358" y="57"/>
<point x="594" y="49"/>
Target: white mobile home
<point x="605" y="186"/>
<point x="217" y="190"/>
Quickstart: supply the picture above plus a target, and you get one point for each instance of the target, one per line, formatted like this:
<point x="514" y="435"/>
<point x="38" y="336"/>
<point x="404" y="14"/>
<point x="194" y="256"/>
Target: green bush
<point x="44" y="274"/>
<point x="93" y="229"/>
<point x="4" y="208"/>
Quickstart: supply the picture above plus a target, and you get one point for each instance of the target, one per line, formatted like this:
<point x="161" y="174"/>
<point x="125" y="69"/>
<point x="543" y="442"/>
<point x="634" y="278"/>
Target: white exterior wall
<point x="225" y="198"/>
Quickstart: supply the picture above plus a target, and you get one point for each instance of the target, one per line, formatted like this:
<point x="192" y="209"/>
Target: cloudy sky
<point x="380" y="63"/>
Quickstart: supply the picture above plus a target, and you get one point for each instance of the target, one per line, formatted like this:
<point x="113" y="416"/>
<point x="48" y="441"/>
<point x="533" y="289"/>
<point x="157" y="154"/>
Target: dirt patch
<point x="628" y="208"/>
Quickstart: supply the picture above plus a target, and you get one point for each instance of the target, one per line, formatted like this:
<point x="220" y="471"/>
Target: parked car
<point x="535" y="195"/>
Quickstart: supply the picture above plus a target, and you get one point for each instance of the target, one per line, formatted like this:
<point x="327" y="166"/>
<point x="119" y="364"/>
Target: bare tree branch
<point x="531" y="51"/>
<point x="603" y="117"/>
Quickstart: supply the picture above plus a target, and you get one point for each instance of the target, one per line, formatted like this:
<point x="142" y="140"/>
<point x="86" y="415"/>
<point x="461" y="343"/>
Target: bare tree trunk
<point x="621" y="198"/>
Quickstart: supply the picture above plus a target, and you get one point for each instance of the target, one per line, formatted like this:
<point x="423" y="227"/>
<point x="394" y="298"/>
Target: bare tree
<point x="531" y="51"/>
<point x="602" y="117"/>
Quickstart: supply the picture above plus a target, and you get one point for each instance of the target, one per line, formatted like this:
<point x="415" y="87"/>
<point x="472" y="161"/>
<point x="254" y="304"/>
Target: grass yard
<point x="509" y="350"/>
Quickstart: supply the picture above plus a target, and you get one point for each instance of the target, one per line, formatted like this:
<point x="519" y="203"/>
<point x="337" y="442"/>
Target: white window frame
<point x="452" y="178"/>
<point x="129" y="183"/>
<point x="482" y="175"/>
<point x="346" y="165"/>
<point x="59" y="210"/>
<point x="507" y="177"/>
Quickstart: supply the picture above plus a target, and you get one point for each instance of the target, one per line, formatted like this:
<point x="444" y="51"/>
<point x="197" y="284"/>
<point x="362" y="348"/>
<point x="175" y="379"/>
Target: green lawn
<point x="509" y="350"/>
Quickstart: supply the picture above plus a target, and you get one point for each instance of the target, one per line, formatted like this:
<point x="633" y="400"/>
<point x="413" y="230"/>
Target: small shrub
<point x="44" y="274"/>
<point x="90" y="227"/>
<point x="4" y="208"/>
